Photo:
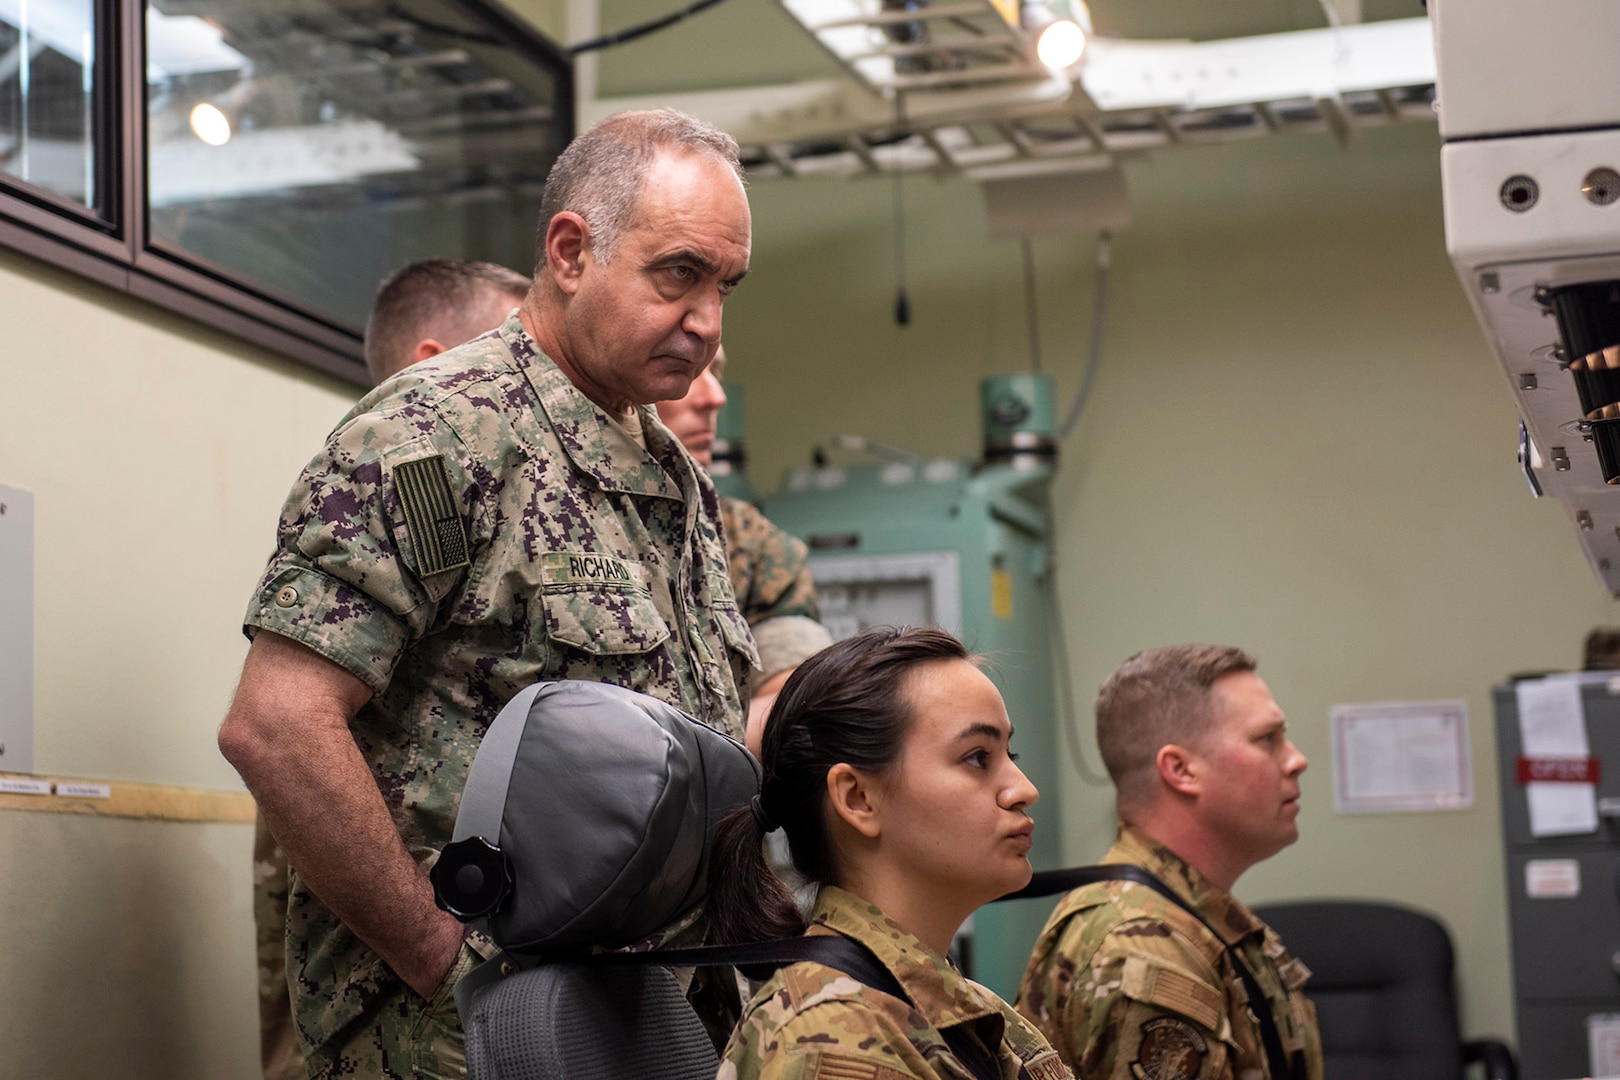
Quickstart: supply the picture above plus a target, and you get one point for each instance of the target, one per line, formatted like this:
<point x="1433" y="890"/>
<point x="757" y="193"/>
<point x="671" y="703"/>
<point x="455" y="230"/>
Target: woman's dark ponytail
<point x="747" y="902"/>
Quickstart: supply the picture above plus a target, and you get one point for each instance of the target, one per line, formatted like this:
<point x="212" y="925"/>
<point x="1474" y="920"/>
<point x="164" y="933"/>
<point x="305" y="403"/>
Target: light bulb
<point x="1061" y="44"/>
<point x="210" y="124"/>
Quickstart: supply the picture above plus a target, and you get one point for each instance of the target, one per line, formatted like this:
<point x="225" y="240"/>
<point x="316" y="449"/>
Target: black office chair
<point x="1382" y="983"/>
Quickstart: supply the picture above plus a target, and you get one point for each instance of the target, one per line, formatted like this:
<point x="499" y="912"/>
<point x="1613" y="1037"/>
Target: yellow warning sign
<point x="1001" y="604"/>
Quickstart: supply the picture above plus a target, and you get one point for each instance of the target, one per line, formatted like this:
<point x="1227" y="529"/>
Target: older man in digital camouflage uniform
<point x="1125" y="983"/>
<point x="769" y="569"/>
<point x="503" y="514"/>
<point x="420" y="311"/>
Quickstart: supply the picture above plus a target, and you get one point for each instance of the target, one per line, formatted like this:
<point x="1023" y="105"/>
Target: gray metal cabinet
<point x="1565" y="948"/>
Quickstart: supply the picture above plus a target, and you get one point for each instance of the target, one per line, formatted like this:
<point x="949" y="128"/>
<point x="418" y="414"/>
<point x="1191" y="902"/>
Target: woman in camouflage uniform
<point x="886" y="761"/>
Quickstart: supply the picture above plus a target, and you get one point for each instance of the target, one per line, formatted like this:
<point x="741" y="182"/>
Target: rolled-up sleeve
<point x="342" y="580"/>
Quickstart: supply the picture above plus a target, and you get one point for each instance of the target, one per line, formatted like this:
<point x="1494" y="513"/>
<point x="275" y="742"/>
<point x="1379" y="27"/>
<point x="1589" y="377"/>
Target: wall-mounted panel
<point x="16" y="630"/>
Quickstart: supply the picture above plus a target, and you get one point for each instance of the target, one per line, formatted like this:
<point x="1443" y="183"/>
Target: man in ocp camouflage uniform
<point x="502" y="514"/>
<point x="1124" y="982"/>
<point x="769" y="569"/>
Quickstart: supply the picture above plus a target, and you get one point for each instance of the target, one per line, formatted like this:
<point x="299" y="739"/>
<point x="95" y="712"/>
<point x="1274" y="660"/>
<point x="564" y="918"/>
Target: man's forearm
<point x="288" y="736"/>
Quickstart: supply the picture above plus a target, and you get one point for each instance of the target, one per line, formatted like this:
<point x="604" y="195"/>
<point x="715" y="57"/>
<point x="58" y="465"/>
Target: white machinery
<point x="1529" y="102"/>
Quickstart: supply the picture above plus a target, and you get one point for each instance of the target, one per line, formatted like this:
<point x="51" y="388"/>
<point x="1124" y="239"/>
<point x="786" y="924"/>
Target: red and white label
<point x="1552" y="879"/>
<point x="1558" y="770"/>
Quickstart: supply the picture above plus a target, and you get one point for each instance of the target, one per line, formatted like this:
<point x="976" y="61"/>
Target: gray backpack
<point x="585" y="823"/>
<point x="585" y="820"/>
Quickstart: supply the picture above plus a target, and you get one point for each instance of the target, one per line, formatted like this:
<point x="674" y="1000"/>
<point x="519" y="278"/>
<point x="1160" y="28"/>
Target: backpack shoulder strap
<point x="1052" y="882"/>
<point x="759" y="959"/>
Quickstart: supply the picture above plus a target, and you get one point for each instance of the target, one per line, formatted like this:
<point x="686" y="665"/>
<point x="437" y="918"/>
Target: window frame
<point x="111" y="243"/>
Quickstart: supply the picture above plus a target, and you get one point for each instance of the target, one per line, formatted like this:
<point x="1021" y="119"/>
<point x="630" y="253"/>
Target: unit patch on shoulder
<point x="437" y="535"/>
<point x="1171" y="1049"/>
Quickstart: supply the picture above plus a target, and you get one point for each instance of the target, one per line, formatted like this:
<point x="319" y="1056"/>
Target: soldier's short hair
<point x="434" y="298"/>
<point x="1156" y="698"/>
<point x="600" y="175"/>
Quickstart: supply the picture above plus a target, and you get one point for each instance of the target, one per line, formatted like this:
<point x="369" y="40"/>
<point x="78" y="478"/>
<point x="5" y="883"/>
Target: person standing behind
<point x="436" y="304"/>
<point x="420" y="311"/>
<point x="1124" y="982"/>
<point x="507" y="514"/>
<point x="769" y="569"/>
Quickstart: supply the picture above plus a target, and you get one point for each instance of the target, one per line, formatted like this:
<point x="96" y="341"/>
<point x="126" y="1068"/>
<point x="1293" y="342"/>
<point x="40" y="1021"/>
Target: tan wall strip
<point x="127" y="799"/>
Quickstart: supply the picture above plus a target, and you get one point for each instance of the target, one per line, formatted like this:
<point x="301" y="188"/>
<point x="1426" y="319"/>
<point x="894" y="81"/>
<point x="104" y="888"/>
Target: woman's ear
<point x="1179" y="768"/>
<point x="851" y="796"/>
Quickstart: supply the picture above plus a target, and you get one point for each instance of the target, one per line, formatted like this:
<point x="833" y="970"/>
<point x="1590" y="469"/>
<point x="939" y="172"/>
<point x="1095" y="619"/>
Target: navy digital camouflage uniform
<point x="770" y="573"/>
<point x="473" y="526"/>
<point x="1127" y="985"/>
<point x="811" y="1021"/>
<point x="279" y="1053"/>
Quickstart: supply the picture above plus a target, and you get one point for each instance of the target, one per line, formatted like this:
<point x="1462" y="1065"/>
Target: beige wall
<point x="158" y="454"/>
<point x="1298" y="442"/>
<point x="127" y="947"/>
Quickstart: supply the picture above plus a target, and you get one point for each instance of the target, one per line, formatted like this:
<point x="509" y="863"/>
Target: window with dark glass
<point x="311" y="146"/>
<point x="47" y="94"/>
<point x="291" y="153"/>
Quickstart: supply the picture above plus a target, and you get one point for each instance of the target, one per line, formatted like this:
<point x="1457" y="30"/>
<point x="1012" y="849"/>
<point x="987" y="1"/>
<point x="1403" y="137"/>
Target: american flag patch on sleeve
<point x="437" y="535"/>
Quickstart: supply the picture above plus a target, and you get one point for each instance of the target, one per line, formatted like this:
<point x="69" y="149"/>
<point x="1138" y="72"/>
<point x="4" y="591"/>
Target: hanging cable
<point x="1099" y="321"/>
<point x="622" y="36"/>
<point x="1057" y="638"/>
<point x="1030" y="308"/>
<point x="902" y="303"/>
<point x="1067" y="716"/>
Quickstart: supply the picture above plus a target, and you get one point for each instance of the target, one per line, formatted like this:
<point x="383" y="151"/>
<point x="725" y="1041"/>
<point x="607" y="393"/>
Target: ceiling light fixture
<point x="1060" y="28"/>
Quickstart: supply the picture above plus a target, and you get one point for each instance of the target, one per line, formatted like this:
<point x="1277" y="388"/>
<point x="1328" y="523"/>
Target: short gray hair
<point x="602" y="172"/>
